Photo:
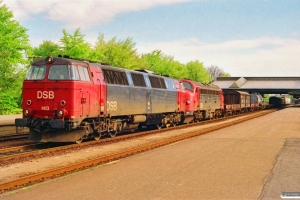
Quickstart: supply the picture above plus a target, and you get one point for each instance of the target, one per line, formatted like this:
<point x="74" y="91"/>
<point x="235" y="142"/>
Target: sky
<point x="245" y="38"/>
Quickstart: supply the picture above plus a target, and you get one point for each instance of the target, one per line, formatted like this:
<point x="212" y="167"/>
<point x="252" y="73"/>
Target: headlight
<point x="27" y="112"/>
<point x="49" y="60"/>
<point x="62" y="113"/>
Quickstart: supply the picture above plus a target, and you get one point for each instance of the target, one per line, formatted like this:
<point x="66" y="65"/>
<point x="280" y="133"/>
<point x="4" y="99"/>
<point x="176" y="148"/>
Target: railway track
<point x="13" y="137"/>
<point x="13" y="154"/>
<point x="39" y="177"/>
<point x="27" y="150"/>
<point x="12" y="129"/>
<point x="11" y="132"/>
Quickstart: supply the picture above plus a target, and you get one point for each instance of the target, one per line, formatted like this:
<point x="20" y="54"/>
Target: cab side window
<point x="73" y="72"/>
<point x="84" y="73"/>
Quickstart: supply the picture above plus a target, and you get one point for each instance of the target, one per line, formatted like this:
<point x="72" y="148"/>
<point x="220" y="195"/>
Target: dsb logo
<point x="45" y="94"/>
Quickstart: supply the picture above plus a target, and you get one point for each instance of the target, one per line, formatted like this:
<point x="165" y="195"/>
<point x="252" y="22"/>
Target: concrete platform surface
<point x="9" y="119"/>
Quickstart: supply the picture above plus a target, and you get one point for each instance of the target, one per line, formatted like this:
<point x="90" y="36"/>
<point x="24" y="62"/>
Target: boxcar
<point x="236" y="102"/>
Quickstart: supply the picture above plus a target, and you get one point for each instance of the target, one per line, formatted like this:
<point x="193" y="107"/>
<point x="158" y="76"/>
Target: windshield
<point x="36" y="73"/>
<point x="63" y="72"/>
<point x="188" y="86"/>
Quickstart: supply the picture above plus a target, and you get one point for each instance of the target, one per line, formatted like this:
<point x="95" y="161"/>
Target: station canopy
<point x="262" y="85"/>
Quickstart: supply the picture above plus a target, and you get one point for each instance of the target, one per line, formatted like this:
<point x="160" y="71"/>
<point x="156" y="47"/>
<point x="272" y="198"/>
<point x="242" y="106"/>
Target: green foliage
<point x="47" y="48"/>
<point x="9" y="103"/>
<point x="266" y="97"/>
<point x="165" y="65"/>
<point x="74" y="45"/>
<point x="224" y="74"/>
<point x="177" y="70"/>
<point x="98" y="52"/>
<point x="116" y="53"/>
<point x="197" y="72"/>
<point x="14" y="47"/>
<point x="155" y="61"/>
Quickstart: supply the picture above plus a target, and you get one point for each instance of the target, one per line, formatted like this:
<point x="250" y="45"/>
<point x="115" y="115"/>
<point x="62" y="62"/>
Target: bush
<point x="9" y="103"/>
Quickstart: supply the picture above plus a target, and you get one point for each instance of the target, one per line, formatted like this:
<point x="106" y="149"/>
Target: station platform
<point x="9" y="119"/>
<point x="256" y="159"/>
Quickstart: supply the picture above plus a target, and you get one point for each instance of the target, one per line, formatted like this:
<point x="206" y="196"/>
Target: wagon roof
<point x="235" y="92"/>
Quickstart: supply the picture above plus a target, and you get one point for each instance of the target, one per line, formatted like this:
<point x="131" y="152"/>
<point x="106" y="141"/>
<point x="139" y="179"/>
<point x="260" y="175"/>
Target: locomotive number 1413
<point x="112" y="105"/>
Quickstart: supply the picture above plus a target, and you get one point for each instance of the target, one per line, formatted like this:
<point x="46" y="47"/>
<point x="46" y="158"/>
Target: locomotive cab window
<point x="63" y="72"/>
<point x="188" y="86"/>
<point x="36" y="73"/>
<point x="58" y="72"/>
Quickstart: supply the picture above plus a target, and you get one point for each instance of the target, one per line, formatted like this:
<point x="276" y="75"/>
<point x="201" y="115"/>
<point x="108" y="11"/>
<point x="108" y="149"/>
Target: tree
<point x="47" y="48"/>
<point x="155" y="61"/>
<point x="197" y="72"/>
<point x="216" y="71"/>
<point x="177" y="70"/>
<point x="75" y="45"/>
<point x="115" y="52"/>
<point x="14" y="48"/>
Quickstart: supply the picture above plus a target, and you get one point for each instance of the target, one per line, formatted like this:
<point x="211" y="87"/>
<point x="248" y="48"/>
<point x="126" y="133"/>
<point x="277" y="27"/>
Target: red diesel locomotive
<point x="204" y="101"/>
<point x="66" y="100"/>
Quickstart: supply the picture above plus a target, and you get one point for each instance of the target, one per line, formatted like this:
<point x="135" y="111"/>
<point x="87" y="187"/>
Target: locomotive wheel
<point x="112" y="133"/>
<point x="79" y="141"/>
<point x="97" y="136"/>
<point x="118" y="129"/>
<point x="158" y="126"/>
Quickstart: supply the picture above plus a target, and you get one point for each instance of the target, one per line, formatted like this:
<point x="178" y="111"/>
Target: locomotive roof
<point x="61" y="60"/>
<point x="66" y="60"/>
<point x="149" y="73"/>
<point x="204" y="85"/>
